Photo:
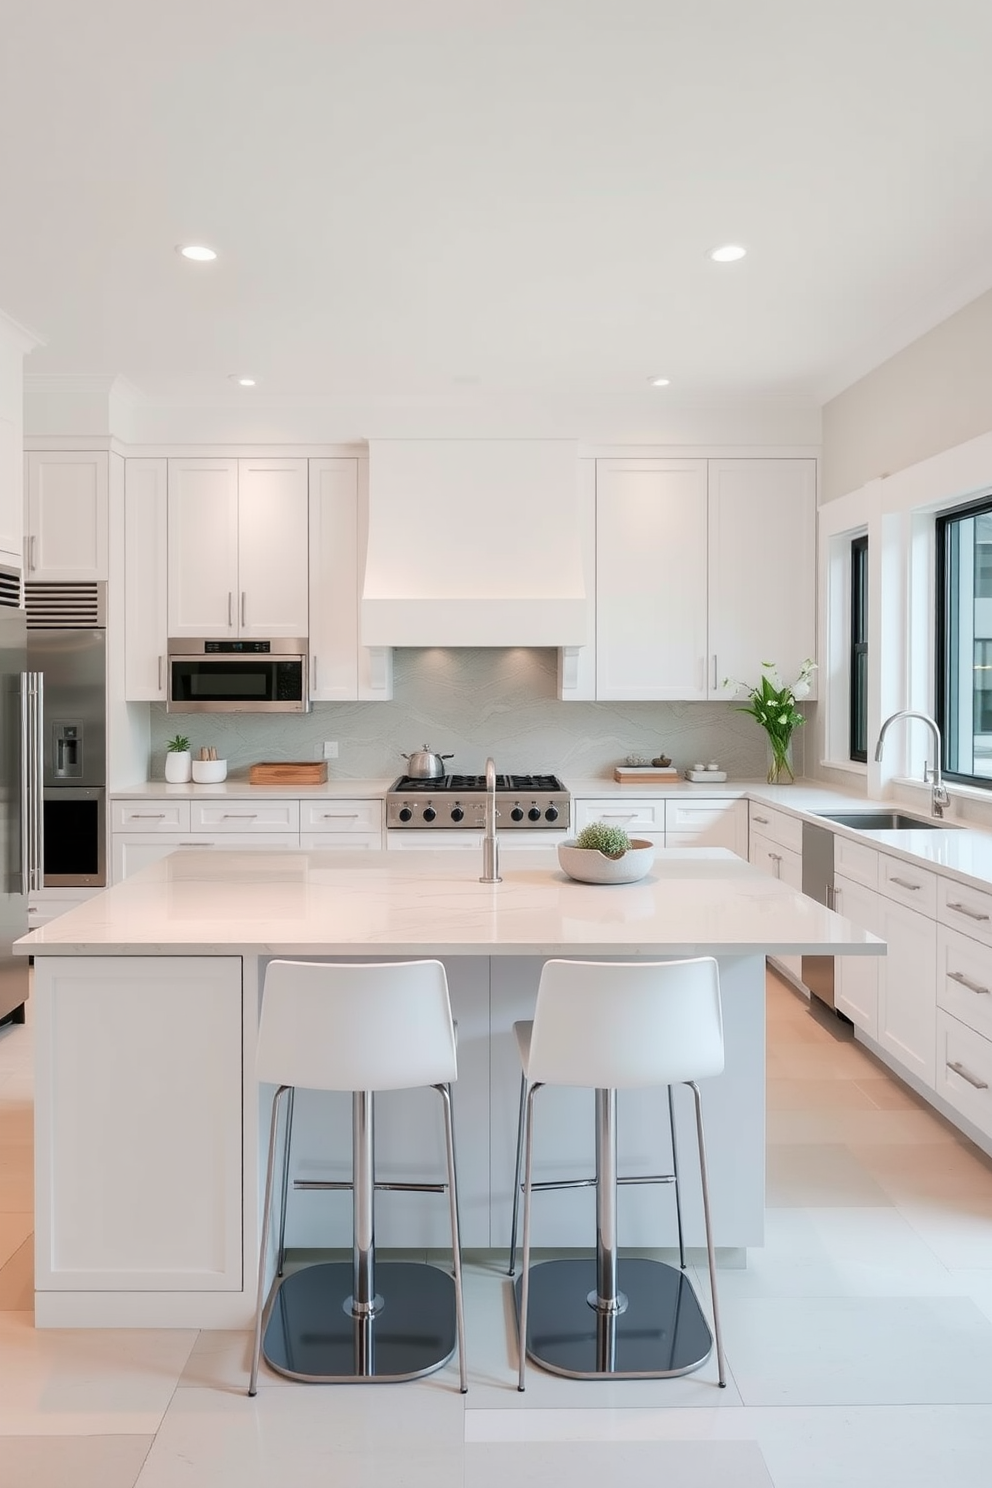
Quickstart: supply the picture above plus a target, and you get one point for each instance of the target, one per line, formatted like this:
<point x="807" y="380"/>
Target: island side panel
<point x="734" y="1121"/>
<point x="138" y="1162"/>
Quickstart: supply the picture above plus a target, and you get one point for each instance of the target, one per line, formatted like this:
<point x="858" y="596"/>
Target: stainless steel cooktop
<point x="532" y="802"/>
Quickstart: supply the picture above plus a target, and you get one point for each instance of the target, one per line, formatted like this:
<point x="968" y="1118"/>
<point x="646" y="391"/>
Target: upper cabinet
<point x="145" y="580"/>
<point x="704" y="570"/>
<point x="66" y="530"/>
<point x="762" y="568"/>
<point x="11" y="495"/>
<point x="237" y="559"/>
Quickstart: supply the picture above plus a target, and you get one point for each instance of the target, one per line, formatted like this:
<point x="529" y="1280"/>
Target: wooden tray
<point x="288" y="772"/>
<point x="644" y="774"/>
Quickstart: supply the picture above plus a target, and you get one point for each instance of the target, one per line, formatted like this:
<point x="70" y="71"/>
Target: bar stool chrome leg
<point x="264" y="1241"/>
<point x="287" y="1144"/>
<point x="456" y="1245"/>
<point x="516" y="1175"/>
<point x="710" y="1254"/>
<point x="675" y="1175"/>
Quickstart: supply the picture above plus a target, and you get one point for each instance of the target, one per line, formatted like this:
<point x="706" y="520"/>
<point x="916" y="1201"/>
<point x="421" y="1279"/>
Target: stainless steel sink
<point x="886" y="821"/>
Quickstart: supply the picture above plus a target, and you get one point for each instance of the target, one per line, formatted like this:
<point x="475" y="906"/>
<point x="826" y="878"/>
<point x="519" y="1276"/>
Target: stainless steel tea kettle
<point x="423" y="764"/>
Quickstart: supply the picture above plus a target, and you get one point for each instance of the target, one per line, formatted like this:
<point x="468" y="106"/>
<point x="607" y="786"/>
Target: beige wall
<point x="932" y="395"/>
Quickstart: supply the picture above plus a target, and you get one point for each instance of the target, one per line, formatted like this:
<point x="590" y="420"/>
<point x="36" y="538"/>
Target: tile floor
<point x="859" y="1339"/>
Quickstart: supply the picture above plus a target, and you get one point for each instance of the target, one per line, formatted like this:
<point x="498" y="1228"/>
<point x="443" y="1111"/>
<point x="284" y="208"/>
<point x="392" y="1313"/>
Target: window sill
<point x="853" y="767"/>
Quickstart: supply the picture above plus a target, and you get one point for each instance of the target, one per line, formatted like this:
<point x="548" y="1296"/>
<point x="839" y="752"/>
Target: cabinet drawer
<point x="907" y="884"/>
<point x="632" y="816"/>
<point x="340" y="841"/>
<point x="776" y="825"/>
<point x="340" y="816"/>
<point x="964" y="980"/>
<point x="716" y="823"/>
<point x="965" y="909"/>
<point x="777" y="861"/>
<point x="964" y="1070"/>
<point x="150" y="816"/>
<point x="855" y="861"/>
<point x="245" y="816"/>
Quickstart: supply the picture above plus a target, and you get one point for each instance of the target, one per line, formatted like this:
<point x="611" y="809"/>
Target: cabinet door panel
<point x="272" y="548"/>
<point x="762" y="578"/>
<point x="67" y="517"/>
<point x="333" y="580"/>
<point x="203" y="547"/>
<point x="856" y="977"/>
<point x="651" y="579"/>
<point x="907" y="1003"/>
<point x="11" y="493"/>
<point x="146" y="599"/>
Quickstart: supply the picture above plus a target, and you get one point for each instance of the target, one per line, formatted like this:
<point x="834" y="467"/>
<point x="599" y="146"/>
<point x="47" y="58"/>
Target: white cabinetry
<point x="330" y="824"/>
<point x="644" y="818"/>
<point x="238" y="562"/>
<point x="775" y="845"/>
<point x="651" y="604"/>
<point x="762" y="526"/>
<point x="67" y="514"/>
<point x="856" y="977"/>
<point x="145" y="580"/>
<point x="907" y="898"/>
<point x="964" y="1002"/>
<point x="11" y="495"/>
<point x="139" y="1176"/>
<point x="707" y="823"/>
<point x="704" y="569"/>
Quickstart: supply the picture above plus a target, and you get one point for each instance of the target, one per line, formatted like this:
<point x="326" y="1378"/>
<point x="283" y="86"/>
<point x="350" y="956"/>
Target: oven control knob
<point x="551" y="814"/>
<point x="405" y="813"/>
<point x="429" y="813"/>
<point x="457" y="814"/>
<point x="534" y="813"/>
<point x="516" y="814"/>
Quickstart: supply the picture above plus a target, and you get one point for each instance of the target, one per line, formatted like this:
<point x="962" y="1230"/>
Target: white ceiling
<point x="421" y="198"/>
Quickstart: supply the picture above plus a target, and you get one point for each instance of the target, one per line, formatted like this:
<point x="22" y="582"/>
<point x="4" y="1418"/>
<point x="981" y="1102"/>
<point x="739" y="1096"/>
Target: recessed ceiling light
<point x="727" y="253"/>
<point x="242" y="381"/>
<point x="659" y="381"/>
<point x="198" y="252"/>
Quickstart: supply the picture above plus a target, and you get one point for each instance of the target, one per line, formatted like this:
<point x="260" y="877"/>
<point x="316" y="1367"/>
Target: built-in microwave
<point x="207" y="676"/>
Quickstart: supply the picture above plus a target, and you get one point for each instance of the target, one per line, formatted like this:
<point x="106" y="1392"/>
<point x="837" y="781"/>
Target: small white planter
<point x="209" y="772"/>
<point x="589" y="865"/>
<point x="177" y="766"/>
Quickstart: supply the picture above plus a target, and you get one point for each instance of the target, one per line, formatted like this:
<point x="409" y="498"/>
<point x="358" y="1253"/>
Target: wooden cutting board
<point x="288" y="772"/>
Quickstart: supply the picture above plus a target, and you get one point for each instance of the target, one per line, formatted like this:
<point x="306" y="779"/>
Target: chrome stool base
<point x="310" y="1337"/>
<point x="661" y="1333"/>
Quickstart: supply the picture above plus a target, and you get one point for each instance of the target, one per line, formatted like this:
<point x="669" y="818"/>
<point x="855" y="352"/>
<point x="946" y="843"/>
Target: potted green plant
<point x="605" y="854"/>
<point x="178" y="765"/>
<point x="772" y="703"/>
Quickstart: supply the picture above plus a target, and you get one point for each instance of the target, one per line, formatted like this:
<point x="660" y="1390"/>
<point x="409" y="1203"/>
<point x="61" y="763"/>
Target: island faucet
<point x="938" y="791"/>
<point x="490" y="846"/>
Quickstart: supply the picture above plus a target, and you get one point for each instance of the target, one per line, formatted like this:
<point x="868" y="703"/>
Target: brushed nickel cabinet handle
<point x="147" y="816"/>
<point x="973" y="914"/>
<point x="762" y="819"/>
<point x="230" y="609"/>
<point x="959" y="1069"/>
<point x="313" y="662"/>
<point x="904" y="883"/>
<point x="34" y="552"/>
<point x="160" y="661"/>
<point x="244" y="606"/>
<point x="239" y="816"/>
<point x="959" y="976"/>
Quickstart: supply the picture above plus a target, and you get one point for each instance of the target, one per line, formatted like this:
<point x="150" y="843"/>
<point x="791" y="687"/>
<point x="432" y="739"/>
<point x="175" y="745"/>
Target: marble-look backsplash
<point x="470" y="704"/>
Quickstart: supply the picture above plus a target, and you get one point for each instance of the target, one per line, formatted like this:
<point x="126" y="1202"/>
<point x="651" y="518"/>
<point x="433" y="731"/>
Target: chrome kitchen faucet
<point x="490" y="846"/>
<point x="938" y="791"/>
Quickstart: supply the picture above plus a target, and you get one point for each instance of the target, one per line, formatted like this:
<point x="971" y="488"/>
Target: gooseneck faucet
<point x="490" y="846"/>
<point x="938" y="791"/>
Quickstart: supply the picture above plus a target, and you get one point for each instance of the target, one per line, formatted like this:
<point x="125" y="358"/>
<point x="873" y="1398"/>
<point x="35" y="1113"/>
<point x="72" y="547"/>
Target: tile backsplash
<point x="470" y="704"/>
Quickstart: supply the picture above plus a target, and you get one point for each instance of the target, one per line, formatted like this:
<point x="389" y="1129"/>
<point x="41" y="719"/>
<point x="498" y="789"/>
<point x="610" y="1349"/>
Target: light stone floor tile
<point x="817" y="1095"/>
<point x="822" y="1174"/>
<point x="14" y="1230"/>
<point x="690" y="1464"/>
<point x="859" y="1350"/>
<point x="863" y="1127"/>
<point x="86" y="1382"/>
<point x="960" y="1238"/>
<point x="72" y="1461"/>
<point x="17" y="1280"/>
<point x="890" y="1094"/>
<point x="929" y="1170"/>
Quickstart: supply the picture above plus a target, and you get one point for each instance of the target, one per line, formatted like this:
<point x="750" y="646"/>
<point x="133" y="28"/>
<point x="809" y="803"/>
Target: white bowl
<point x="209" y="772"/>
<point x="589" y="865"/>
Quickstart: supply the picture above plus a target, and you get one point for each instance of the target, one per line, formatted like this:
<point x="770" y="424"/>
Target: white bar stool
<point x="613" y="1026"/>
<point x="361" y="1028"/>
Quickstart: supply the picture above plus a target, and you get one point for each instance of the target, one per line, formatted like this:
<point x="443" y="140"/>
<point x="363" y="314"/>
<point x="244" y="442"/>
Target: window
<point x="859" y="649"/>
<point x="964" y="641"/>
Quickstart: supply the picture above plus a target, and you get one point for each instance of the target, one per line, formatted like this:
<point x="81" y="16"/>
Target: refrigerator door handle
<point x="26" y="814"/>
<point x="32" y="735"/>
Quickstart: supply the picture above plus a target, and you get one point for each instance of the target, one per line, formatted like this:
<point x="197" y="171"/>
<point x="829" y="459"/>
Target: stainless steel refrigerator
<point x="14" y="808"/>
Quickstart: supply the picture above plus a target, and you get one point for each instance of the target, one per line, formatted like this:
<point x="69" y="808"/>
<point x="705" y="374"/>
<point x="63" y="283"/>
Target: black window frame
<point x="943" y="629"/>
<point x="858" y="662"/>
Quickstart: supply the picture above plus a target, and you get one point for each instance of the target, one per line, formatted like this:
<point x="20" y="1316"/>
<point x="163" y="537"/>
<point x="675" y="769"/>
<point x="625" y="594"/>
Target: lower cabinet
<point x="144" y="1155"/>
<point x="777" y="850"/>
<point x="856" y="977"/>
<point x="907" y="987"/>
<point x="716" y="822"/>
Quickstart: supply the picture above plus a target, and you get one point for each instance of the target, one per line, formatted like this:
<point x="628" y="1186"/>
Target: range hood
<point x="474" y="543"/>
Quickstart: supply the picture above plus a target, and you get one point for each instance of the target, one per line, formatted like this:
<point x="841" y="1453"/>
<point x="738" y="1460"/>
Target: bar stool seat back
<point x="626" y="1025"/>
<point x="362" y="1027"/>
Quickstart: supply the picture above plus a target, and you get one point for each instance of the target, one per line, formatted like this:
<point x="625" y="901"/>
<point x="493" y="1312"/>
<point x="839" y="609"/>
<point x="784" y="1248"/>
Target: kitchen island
<point x="148" y="1119"/>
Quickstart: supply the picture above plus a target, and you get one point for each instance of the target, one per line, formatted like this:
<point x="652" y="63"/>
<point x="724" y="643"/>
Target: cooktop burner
<point x="536" y="802"/>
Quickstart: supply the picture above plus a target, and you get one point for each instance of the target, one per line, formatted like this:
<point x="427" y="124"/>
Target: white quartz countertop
<point x="694" y="901"/>
<point x="235" y="788"/>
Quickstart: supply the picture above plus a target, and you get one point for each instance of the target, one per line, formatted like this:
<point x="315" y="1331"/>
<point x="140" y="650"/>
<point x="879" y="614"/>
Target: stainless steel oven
<point x="242" y="676"/>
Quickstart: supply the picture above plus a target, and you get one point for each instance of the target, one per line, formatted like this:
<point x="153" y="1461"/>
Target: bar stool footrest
<point x="661" y="1333"/>
<point x="310" y="1337"/>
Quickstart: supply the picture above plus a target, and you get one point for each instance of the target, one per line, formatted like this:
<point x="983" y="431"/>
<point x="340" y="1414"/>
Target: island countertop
<point x="694" y="901"/>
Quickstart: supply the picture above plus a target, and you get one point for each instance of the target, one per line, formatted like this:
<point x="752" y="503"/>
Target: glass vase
<point x="780" y="762"/>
